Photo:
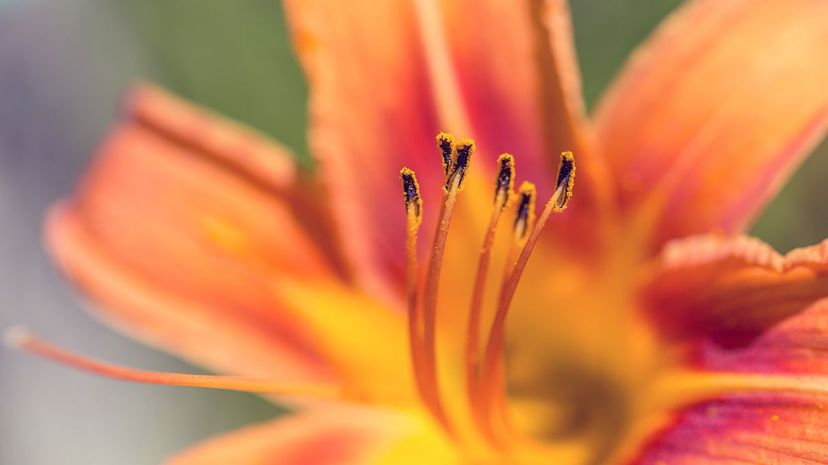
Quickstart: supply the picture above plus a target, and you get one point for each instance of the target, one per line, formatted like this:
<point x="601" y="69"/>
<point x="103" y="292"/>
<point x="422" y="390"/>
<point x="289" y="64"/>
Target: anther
<point x="505" y="179"/>
<point x="566" y="180"/>
<point x="446" y="143"/>
<point x="411" y="193"/>
<point x="464" y="150"/>
<point x="525" y="210"/>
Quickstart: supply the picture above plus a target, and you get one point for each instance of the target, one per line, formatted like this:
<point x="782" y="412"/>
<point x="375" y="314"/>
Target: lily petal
<point x="335" y="435"/>
<point x="780" y="429"/>
<point x="180" y="231"/>
<point x="524" y="94"/>
<point x="716" y="110"/>
<point x="385" y="77"/>
<point x="732" y="288"/>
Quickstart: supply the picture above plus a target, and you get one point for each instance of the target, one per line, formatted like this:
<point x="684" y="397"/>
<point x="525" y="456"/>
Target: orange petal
<point x="777" y="429"/>
<point x="335" y="435"/>
<point x="524" y="94"/>
<point x="732" y="288"/>
<point x="258" y="159"/>
<point x="179" y="230"/>
<point x="385" y="77"/>
<point x="716" y="110"/>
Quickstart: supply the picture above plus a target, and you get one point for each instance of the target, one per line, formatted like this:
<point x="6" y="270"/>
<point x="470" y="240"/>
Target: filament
<point x="413" y="210"/>
<point x="430" y="302"/>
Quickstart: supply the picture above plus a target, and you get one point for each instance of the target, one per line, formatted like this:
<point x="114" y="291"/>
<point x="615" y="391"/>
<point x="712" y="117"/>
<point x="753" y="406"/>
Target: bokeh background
<point x="63" y="64"/>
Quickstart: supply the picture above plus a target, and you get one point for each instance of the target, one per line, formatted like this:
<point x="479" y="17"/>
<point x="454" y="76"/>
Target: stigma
<point x="482" y="363"/>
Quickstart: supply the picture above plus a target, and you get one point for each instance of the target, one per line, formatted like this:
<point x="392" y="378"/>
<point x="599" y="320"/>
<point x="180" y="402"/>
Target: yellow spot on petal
<point x="224" y="234"/>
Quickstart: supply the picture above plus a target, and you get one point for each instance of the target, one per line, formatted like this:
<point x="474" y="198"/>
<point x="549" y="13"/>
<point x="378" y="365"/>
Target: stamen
<point x="19" y="338"/>
<point x="454" y="180"/>
<point x="491" y="373"/>
<point x="413" y="209"/>
<point x="503" y="193"/>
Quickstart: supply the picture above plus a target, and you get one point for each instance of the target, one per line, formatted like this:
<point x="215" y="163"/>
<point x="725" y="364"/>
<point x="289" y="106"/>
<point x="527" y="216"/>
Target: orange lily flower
<point x="636" y="327"/>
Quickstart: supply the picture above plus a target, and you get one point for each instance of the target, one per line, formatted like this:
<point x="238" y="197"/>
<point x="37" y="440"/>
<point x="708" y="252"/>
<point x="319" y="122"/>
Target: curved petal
<point x="757" y="428"/>
<point x="333" y="435"/>
<point x="385" y="77"/>
<point x="732" y="288"/>
<point x="787" y="430"/>
<point x="182" y="234"/>
<point x="714" y="112"/>
<point x="258" y="159"/>
<point x="202" y="330"/>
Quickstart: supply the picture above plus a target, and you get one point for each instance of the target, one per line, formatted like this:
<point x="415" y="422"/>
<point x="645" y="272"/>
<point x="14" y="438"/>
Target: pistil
<point x="19" y="338"/>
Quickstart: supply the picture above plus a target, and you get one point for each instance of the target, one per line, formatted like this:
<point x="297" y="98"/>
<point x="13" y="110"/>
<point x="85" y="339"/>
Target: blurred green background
<point x="63" y="64"/>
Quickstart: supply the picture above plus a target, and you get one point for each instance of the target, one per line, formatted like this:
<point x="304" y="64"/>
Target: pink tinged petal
<point x="518" y="73"/>
<point x="716" y="110"/>
<point x="748" y="429"/>
<point x="178" y="232"/>
<point x="759" y="428"/>
<point x="732" y="289"/>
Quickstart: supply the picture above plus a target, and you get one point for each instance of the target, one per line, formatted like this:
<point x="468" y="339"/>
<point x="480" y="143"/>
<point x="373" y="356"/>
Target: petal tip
<point x="15" y="336"/>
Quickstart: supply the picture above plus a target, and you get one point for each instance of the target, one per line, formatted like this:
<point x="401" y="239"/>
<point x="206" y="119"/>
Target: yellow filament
<point x="473" y="329"/>
<point x="415" y="335"/>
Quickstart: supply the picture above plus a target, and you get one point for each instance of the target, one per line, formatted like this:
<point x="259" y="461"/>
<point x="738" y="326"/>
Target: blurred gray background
<point x="63" y="64"/>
